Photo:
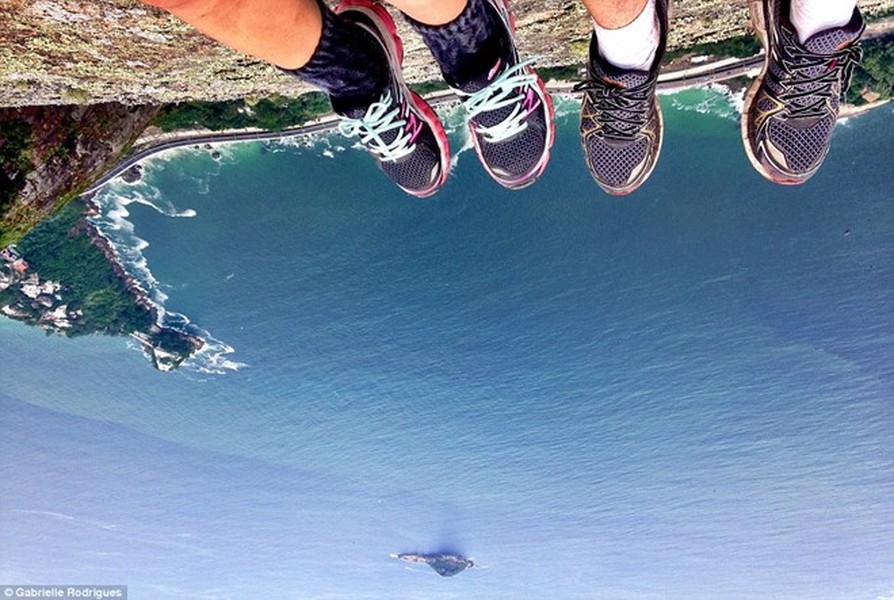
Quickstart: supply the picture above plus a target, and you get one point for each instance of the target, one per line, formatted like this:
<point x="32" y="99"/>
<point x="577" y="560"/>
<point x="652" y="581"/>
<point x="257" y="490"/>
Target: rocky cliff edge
<point x="74" y="52"/>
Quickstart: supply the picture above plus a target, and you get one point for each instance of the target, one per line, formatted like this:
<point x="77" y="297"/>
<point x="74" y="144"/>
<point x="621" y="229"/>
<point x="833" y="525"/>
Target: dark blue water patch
<point x="564" y="385"/>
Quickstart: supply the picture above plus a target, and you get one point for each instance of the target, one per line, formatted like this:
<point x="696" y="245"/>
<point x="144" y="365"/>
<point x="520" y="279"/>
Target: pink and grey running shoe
<point x="511" y="117"/>
<point x="400" y="130"/>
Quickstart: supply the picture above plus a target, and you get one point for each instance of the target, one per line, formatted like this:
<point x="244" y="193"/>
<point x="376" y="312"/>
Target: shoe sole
<point x="758" y="15"/>
<point x="394" y="50"/>
<point x="502" y="8"/>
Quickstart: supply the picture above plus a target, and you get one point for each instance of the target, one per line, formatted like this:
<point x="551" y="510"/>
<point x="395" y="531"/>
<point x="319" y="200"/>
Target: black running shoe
<point x="511" y="117"/>
<point x="621" y="127"/>
<point x="791" y="108"/>
<point x="400" y="130"/>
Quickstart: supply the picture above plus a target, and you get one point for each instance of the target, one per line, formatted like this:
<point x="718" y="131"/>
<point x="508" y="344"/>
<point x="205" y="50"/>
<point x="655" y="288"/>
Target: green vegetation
<point x="272" y="114"/>
<point x="278" y="113"/>
<point x="877" y="71"/>
<point x="429" y="87"/>
<point x="59" y="249"/>
<point x="560" y="73"/>
<point x="85" y="292"/>
<point x="741" y="46"/>
<point x="15" y="160"/>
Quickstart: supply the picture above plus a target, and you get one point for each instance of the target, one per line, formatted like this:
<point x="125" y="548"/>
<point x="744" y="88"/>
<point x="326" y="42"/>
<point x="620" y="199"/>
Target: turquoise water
<point x="685" y="393"/>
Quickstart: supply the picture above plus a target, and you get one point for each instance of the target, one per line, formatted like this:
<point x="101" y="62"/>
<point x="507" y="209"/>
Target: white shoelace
<point x="500" y="93"/>
<point x="379" y="119"/>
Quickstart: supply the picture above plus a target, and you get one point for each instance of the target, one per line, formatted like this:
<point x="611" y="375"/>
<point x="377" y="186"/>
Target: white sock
<point x="812" y="16"/>
<point x="634" y="45"/>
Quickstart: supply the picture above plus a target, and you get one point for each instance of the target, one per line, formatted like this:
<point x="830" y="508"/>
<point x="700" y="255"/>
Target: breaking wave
<point x="714" y="99"/>
<point x="566" y="105"/>
<point x="112" y="221"/>
<point x="113" y="205"/>
<point x="325" y="143"/>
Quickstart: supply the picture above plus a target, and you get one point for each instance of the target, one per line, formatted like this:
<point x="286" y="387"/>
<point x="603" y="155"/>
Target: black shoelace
<point x="624" y="110"/>
<point x="832" y="69"/>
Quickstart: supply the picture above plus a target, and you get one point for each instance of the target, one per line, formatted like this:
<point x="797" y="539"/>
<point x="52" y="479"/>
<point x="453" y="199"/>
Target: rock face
<point x="445" y="564"/>
<point x="67" y="147"/>
<point x="72" y="52"/>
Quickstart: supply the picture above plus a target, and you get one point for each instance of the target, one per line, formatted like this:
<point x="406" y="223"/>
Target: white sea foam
<point x="67" y="517"/>
<point x="309" y="141"/>
<point x="113" y="223"/>
<point x="162" y="206"/>
<point x="214" y="359"/>
<point x="452" y="117"/>
<point x="566" y="105"/>
<point x="714" y="99"/>
<point x="467" y="144"/>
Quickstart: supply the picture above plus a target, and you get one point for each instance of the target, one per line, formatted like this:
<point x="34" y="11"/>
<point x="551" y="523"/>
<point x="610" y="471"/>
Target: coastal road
<point x="198" y="140"/>
<point x="703" y="74"/>
<point x="698" y="75"/>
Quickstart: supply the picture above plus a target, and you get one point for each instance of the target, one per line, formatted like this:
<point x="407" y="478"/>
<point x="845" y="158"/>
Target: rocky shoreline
<point x="165" y="347"/>
<point x="445" y="564"/>
<point x="57" y="300"/>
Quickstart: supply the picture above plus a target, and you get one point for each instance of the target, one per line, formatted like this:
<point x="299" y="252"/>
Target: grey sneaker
<point x="400" y="130"/>
<point x="511" y="117"/>
<point x="791" y="108"/>
<point x="621" y="127"/>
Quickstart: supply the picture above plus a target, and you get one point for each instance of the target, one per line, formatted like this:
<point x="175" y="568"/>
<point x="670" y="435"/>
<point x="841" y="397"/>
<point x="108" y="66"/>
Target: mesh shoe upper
<point x="621" y="126"/>
<point x="510" y="115"/>
<point x="398" y="129"/>
<point x="792" y="107"/>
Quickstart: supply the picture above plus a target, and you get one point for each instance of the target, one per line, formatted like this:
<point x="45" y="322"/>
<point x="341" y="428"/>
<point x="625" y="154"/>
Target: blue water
<point x="685" y="393"/>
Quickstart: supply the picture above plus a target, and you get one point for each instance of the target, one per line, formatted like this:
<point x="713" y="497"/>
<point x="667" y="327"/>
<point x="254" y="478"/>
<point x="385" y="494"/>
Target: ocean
<point x="682" y="393"/>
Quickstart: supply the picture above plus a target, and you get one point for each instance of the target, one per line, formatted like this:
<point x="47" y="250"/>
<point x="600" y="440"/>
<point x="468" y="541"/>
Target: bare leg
<point x="614" y="14"/>
<point x="282" y="32"/>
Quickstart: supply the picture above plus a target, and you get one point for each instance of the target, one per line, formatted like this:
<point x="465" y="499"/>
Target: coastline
<point x="329" y="121"/>
<point x="157" y="342"/>
<point x="73" y="283"/>
<point x="675" y="80"/>
<point x="852" y="110"/>
<point x="148" y="146"/>
<point x="166" y="347"/>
